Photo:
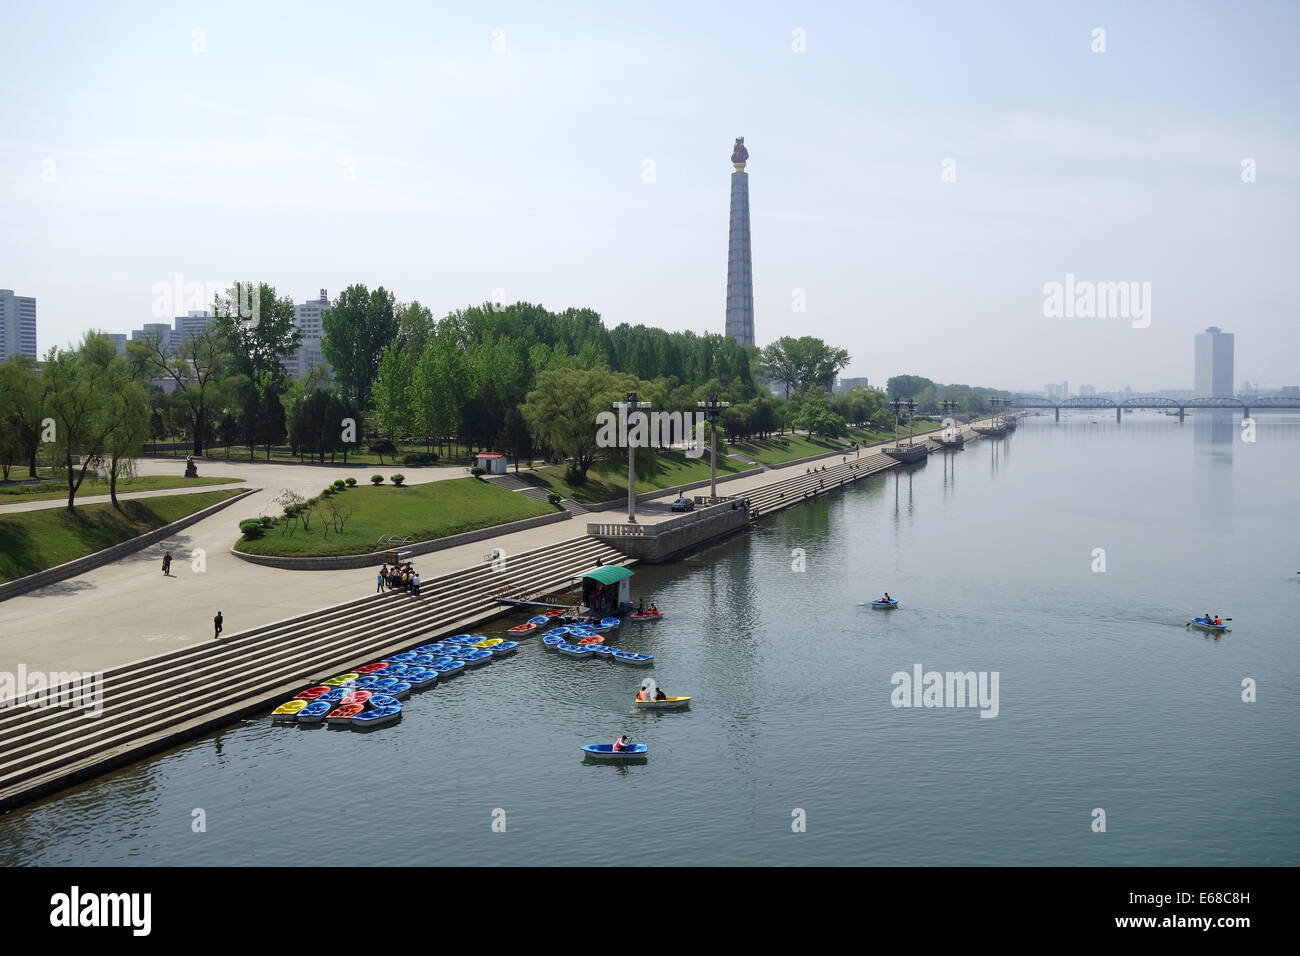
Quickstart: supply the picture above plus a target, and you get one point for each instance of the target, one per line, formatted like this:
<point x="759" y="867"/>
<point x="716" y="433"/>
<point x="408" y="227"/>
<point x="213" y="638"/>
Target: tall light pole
<point x="631" y="406"/>
<point x="712" y="414"/>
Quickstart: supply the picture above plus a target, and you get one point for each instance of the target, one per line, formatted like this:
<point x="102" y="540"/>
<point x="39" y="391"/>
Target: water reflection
<point x="1214" y="431"/>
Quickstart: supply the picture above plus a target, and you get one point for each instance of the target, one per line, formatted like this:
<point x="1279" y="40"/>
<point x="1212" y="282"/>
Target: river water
<point x="794" y="752"/>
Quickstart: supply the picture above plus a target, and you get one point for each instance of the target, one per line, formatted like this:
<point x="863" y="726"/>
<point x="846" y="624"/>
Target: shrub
<point x="573" y="475"/>
<point x="382" y="448"/>
<point x="327" y="491"/>
<point x="420" y="458"/>
<point x="339" y="484"/>
<point x="251" y="528"/>
<point x="351" y="482"/>
<point x="476" y="471"/>
<point x="398" y="479"/>
<point x="266" y="521"/>
<point x="554" y="498"/>
<point x="376" y="479"/>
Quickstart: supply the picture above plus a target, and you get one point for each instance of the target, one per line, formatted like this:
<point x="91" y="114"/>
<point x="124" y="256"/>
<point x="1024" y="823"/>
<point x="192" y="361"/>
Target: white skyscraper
<point x="307" y="318"/>
<point x="1214" y="377"/>
<point x="17" y="325"/>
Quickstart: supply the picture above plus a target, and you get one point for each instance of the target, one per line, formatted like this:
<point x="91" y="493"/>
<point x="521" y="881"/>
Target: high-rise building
<point x="119" y="341"/>
<point x="1214" y="364"/>
<point x="191" y="325"/>
<point x="1065" y="389"/>
<point x="1087" y="391"/>
<point x="17" y="325"/>
<point x="844" y="384"/>
<point x="307" y="318"/>
<point x="159" y="330"/>
<point x="740" y="277"/>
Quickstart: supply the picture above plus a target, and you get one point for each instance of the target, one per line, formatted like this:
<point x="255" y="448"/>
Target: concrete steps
<point x="155" y="703"/>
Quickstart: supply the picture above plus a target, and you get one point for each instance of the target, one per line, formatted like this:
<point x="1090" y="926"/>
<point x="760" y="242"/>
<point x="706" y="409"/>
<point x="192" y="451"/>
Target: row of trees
<point x="87" y="406"/>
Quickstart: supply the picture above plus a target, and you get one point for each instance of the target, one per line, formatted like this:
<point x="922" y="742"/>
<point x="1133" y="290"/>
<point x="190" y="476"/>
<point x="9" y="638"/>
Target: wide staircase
<point x="153" y="704"/>
<point x="516" y="484"/>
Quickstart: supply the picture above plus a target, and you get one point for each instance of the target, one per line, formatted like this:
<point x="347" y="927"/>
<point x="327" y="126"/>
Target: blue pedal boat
<point x="379" y="717"/>
<point x="450" y="668"/>
<point x="401" y="690"/>
<point x="314" y="713"/>
<point x="885" y="605"/>
<point x="477" y="658"/>
<point x="636" y="660"/>
<point x="504" y="649"/>
<point x="607" y="752"/>
<point x="575" y="650"/>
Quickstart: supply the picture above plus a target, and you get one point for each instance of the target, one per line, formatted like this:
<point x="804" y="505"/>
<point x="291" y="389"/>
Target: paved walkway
<point x="43" y="503"/>
<point x="127" y="610"/>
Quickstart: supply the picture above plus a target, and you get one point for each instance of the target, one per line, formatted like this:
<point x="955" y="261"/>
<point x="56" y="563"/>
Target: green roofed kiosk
<point x="606" y="591"/>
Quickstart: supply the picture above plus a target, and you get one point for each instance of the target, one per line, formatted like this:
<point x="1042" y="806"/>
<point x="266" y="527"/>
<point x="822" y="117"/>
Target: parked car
<point x="683" y="504"/>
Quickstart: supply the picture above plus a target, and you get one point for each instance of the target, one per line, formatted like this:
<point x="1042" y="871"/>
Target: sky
<point x="918" y="172"/>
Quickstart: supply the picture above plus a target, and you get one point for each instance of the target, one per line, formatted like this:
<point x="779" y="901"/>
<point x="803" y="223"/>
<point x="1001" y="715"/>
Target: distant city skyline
<point x="909" y="206"/>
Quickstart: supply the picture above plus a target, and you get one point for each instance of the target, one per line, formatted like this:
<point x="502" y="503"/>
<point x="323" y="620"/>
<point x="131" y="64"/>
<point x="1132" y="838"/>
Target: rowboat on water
<point x="668" y="703"/>
<point x="287" y="712"/>
<point x="647" y="616"/>
<point x="340" y="680"/>
<point x="555" y="612"/>
<point x="505" y="648"/>
<point x="314" y="712"/>
<point x="380" y="717"/>
<point x="450" y="668"/>
<point x="607" y="752"/>
<point x="551" y="641"/>
<point x="574" y="650"/>
<point x="526" y="628"/>
<point x="311" y="693"/>
<point x="477" y="658"/>
<point x="601" y="650"/>
<point x="610" y="622"/>
<point x="356" y="697"/>
<point x="342" y="716"/>
<point x="1205" y="624"/>
<point x="540" y="620"/>
<point x="636" y="660"/>
<point x="594" y="639"/>
<point x="885" y="605"/>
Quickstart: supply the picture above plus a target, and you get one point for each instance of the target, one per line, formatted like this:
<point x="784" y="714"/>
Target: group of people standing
<point x="404" y="577"/>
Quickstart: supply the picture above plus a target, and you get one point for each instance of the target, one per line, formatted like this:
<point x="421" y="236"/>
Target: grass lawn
<point x="782" y="448"/>
<point x="282" y="453"/>
<point x="425" y="512"/>
<point x="11" y="494"/>
<point x="610" y="481"/>
<point x="869" y="436"/>
<point x="36" y="540"/>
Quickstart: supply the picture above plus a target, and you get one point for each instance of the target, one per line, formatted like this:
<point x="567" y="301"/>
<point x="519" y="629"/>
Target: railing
<point x="664" y="527"/>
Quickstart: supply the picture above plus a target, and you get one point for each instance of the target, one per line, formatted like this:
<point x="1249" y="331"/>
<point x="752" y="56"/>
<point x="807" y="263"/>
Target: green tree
<point x="357" y="329"/>
<point x="561" y="410"/>
<point x="392" y="392"/>
<point x="22" y="408"/>
<point x="906" y="386"/>
<point x="256" y="343"/>
<point x="515" y="437"/>
<point x="195" y="368"/>
<point x="271" y="426"/>
<point x="803" y="364"/>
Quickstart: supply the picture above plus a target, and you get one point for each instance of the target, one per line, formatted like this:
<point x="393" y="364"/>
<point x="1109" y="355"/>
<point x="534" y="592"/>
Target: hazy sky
<point x="449" y="151"/>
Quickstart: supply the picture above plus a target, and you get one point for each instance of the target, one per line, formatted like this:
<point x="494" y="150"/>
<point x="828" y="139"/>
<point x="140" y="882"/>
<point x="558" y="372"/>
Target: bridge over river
<point x="1258" y="403"/>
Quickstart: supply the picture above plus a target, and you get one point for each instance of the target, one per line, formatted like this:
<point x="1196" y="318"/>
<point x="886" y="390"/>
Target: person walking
<point x="217" y="621"/>
<point x="167" y="564"/>
<point x="415" y="576"/>
<point x="379" y="584"/>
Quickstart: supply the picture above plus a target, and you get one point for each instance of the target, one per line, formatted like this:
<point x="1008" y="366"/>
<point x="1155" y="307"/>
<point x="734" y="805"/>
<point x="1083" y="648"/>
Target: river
<point x="794" y="752"/>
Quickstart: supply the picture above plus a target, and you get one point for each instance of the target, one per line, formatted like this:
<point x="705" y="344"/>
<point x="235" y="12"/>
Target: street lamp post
<point x="712" y="414"/>
<point x="631" y="406"/>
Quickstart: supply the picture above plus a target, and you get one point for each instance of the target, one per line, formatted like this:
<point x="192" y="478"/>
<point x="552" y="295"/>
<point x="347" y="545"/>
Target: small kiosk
<point x="492" y="462"/>
<point x="606" y="591"/>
